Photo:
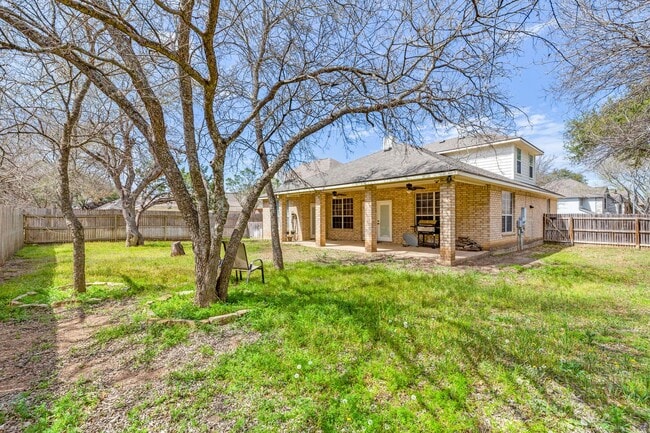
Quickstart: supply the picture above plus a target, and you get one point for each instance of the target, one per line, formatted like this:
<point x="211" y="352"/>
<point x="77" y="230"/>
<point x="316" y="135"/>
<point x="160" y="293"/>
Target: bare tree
<point x="322" y="64"/>
<point x="632" y="180"/>
<point x="122" y="152"/>
<point x="47" y="106"/>
<point x="605" y="48"/>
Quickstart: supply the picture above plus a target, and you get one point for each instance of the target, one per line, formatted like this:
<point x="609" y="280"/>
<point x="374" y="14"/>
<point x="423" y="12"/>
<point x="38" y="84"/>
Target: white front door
<point x="312" y="221"/>
<point x="385" y="217"/>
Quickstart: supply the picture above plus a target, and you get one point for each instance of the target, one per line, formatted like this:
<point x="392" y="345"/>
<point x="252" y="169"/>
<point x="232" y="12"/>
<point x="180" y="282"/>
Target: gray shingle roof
<point x="463" y="142"/>
<point x="572" y="188"/>
<point x="399" y="162"/>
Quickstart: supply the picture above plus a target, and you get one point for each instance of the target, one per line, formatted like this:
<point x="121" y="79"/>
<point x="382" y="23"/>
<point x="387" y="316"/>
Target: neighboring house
<point x="468" y="187"/>
<point x="582" y="198"/>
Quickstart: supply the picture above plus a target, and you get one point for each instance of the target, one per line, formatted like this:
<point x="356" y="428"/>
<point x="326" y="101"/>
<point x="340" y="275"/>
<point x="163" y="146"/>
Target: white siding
<point x="499" y="159"/>
<point x="524" y="176"/>
<point x="577" y="205"/>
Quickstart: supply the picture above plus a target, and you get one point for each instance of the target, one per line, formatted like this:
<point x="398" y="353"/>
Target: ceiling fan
<point x="410" y="187"/>
<point x="337" y="194"/>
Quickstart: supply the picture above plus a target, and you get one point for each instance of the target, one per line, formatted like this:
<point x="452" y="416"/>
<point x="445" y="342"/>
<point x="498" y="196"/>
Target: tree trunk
<point x="177" y="249"/>
<point x="78" y="240"/>
<point x="278" y="260"/>
<point x="206" y="273"/>
<point x="133" y="236"/>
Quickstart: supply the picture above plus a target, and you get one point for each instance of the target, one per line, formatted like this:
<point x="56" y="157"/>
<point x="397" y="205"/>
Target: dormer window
<point x="531" y="166"/>
<point x="518" y="161"/>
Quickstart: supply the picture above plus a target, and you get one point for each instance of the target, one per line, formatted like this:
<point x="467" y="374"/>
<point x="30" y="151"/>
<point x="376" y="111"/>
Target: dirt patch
<point x="15" y="267"/>
<point x="62" y="349"/>
<point x="27" y="355"/>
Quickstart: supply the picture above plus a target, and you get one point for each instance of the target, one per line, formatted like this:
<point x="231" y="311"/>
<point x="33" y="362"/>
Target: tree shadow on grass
<point x="472" y="341"/>
<point x="28" y="355"/>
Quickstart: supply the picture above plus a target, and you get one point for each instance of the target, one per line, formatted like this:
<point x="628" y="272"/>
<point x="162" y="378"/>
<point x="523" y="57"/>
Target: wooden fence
<point x="11" y="231"/>
<point x="619" y="230"/>
<point x="48" y="226"/>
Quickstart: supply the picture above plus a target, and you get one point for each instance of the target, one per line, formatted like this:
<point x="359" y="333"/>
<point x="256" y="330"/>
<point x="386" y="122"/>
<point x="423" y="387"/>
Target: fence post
<point x="637" y="232"/>
<point x="571" y="230"/>
<point x="164" y="227"/>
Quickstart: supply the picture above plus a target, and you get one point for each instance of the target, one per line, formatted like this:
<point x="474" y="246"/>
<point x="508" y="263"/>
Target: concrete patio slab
<point x="394" y="250"/>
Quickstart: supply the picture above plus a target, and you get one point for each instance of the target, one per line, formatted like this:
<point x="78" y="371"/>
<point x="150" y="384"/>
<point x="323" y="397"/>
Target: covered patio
<point x="393" y="250"/>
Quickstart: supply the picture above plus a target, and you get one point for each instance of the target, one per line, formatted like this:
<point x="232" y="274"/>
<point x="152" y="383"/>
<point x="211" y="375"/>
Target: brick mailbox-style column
<point x="448" y="222"/>
<point x="370" y="220"/>
<point x="321" y="219"/>
<point x="282" y="218"/>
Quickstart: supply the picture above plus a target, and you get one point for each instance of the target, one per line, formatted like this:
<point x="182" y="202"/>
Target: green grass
<point x="563" y="346"/>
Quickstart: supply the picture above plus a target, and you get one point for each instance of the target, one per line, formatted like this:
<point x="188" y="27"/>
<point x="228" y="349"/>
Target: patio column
<point x="370" y="220"/>
<point x="448" y="222"/>
<point x="282" y="217"/>
<point x="321" y="219"/>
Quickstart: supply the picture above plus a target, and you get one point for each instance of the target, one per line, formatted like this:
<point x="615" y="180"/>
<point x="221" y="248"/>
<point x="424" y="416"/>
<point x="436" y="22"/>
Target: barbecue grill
<point x="429" y="228"/>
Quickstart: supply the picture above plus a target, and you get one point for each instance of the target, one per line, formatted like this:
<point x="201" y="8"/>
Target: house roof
<point x="311" y="168"/>
<point x="464" y="143"/>
<point x="401" y="162"/>
<point x="571" y="188"/>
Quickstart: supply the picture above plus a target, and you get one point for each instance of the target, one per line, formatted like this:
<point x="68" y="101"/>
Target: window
<point x="518" y="161"/>
<point x="427" y="206"/>
<point x="507" y="211"/>
<point x="342" y="213"/>
<point x="531" y="165"/>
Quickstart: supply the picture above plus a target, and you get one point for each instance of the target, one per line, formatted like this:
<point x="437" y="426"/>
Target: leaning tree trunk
<point x="133" y="236"/>
<point x="78" y="240"/>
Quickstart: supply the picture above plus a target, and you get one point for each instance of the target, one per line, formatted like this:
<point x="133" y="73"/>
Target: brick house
<point x="469" y="187"/>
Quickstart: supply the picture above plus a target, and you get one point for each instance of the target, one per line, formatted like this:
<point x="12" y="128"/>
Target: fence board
<point x="11" y="231"/>
<point x="619" y="230"/>
<point x="48" y="226"/>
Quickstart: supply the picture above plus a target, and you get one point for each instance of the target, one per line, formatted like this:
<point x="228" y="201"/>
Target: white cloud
<point x="544" y="132"/>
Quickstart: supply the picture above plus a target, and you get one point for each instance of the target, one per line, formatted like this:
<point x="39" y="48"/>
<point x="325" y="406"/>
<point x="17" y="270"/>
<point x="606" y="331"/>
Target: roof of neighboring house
<point x="312" y="168"/>
<point x="171" y="205"/>
<point x="402" y="161"/>
<point x="571" y="188"/>
<point x="464" y="143"/>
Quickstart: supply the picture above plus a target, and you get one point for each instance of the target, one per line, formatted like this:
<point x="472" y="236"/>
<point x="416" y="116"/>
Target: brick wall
<point x="478" y="214"/>
<point x="534" y="217"/>
<point x="473" y="213"/>
<point x="356" y="232"/>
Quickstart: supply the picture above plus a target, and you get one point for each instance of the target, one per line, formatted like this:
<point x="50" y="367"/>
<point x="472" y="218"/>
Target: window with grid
<point x="507" y="211"/>
<point x="342" y="213"/>
<point x="427" y="206"/>
<point x="518" y="161"/>
<point x="531" y="165"/>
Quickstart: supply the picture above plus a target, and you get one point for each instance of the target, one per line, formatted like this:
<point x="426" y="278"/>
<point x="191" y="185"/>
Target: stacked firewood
<point x="467" y="244"/>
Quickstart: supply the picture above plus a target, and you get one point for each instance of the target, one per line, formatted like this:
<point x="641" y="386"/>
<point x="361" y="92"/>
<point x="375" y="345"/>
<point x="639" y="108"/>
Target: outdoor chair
<point x="242" y="264"/>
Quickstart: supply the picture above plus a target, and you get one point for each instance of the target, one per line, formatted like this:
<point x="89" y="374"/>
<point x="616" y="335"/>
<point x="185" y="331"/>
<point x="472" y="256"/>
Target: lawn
<point x="333" y="344"/>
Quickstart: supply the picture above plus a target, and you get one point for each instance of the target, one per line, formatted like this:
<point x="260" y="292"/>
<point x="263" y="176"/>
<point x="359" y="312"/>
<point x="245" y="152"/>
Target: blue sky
<point x="529" y="89"/>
